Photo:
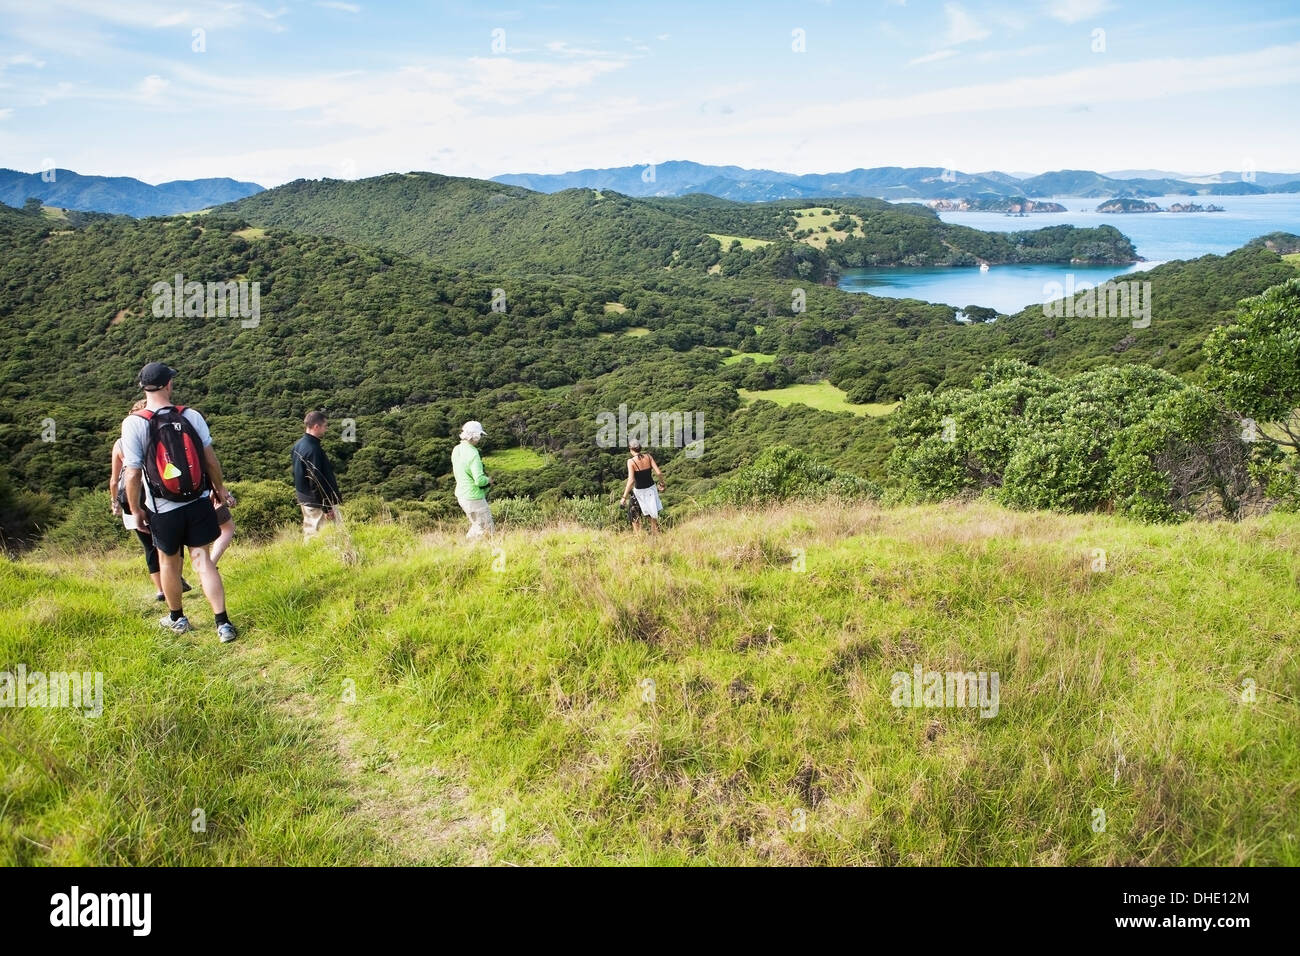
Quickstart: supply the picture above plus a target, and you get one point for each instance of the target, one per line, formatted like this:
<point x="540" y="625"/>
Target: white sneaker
<point x="181" y="625"/>
<point x="226" y="632"/>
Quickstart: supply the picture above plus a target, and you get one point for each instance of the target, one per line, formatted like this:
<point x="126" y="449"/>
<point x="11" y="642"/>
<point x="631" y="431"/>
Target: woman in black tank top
<point x="641" y="472"/>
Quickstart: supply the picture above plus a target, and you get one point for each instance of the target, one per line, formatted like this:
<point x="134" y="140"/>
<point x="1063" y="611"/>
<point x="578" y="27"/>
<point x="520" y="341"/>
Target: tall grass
<point x="720" y="694"/>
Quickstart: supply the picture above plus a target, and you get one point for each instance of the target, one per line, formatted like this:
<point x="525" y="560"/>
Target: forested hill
<point x="484" y="226"/>
<point x="19" y="220"/>
<point x="409" y="350"/>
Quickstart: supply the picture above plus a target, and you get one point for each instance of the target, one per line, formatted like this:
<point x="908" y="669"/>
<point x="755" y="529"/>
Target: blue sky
<point x="346" y="88"/>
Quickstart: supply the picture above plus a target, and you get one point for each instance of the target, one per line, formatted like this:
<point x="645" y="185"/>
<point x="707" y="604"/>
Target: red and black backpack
<point x="173" y="441"/>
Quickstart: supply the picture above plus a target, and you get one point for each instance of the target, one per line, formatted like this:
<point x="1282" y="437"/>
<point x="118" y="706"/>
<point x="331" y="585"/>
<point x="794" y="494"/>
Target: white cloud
<point x="562" y="48"/>
<point x="507" y="80"/>
<point x="932" y="57"/>
<point x="152" y="85"/>
<point x="560" y="109"/>
<point x="1072" y="11"/>
<point x="51" y="21"/>
<point x="422" y="94"/>
<point x="337" y="5"/>
<point x="1130" y="82"/>
<point x="6" y="113"/>
<point x="962" y="27"/>
<point x="22" y="59"/>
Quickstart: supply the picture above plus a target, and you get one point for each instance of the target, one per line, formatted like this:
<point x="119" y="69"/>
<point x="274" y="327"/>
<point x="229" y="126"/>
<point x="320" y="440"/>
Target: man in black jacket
<point x="313" y="477"/>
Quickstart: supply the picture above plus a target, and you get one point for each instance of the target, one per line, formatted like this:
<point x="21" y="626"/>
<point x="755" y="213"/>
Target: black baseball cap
<point x="156" y="375"/>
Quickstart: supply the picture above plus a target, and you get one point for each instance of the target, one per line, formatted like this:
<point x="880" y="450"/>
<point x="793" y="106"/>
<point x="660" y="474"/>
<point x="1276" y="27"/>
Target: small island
<point x="1128" y="205"/>
<point x="1124" y="205"/>
<point x="1015" y="206"/>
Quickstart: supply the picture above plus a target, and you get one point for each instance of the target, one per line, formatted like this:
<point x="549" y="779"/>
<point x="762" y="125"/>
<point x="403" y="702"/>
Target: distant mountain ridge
<point x="125" y="195"/>
<point x="119" y="194"/>
<point x="1227" y="176"/>
<point x="681" y="177"/>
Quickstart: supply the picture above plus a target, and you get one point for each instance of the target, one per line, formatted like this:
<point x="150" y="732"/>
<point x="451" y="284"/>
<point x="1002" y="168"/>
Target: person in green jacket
<point x="471" y="481"/>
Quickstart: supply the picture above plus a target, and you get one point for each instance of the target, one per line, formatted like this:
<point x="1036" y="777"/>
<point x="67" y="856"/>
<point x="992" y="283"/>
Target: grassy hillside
<point x="820" y="395"/>
<point x="439" y="702"/>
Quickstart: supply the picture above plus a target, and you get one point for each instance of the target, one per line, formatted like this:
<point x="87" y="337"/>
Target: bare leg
<point x="171" y="577"/>
<point x="210" y="577"/>
<point x="219" y="546"/>
<point x="156" y="578"/>
<point x="654" y="525"/>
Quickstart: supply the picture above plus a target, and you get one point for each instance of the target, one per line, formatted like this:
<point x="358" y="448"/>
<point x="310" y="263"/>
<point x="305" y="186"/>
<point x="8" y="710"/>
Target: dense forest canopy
<point x="408" y="347"/>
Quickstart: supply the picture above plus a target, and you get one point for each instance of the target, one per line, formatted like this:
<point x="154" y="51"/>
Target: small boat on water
<point x="984" y="267"/>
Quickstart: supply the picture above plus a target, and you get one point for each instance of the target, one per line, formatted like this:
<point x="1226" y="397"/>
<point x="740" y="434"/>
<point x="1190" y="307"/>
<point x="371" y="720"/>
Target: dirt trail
<point x="418" y="814"/>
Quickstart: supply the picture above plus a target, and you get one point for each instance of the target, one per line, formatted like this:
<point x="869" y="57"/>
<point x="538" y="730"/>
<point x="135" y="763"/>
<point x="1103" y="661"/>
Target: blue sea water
<point x="1158" y="237"/>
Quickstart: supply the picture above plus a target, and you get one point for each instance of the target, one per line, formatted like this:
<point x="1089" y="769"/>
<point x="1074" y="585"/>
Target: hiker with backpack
<point x="472" y="481"/>
<point x="122" y="507"/>
<point x="641" y="470"/>
<point x="168" y="457"/>
<point x="314" y="483"/>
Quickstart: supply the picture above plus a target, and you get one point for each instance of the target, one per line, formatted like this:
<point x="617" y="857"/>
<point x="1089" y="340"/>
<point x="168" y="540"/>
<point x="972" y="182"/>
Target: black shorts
<point x="192" y="525"/>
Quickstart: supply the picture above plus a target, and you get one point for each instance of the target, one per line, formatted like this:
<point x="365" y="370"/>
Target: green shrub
<point x="88" y="524"/>
<point x="1255" y="362"/>
<point x="958" y="440"/>
<point x="780" y="473"/>
<point x="1132" y="438"/>
<point x="1063" y="453"/>
<point x="368" y="509"/>
<point x="24" y="515"/>
<point x="424" y="515"/>
<point x="1255" y="365"/>
<point x="264" y="507"/>
<point x="517" y="512"/>
<point x="1278" y="475"/>
<point x="1186" y="458"/>
<point x="591" y="512"/>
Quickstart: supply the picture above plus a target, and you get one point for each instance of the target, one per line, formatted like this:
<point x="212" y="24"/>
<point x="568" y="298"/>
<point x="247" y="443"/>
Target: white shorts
<point x="647" y="500"/>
